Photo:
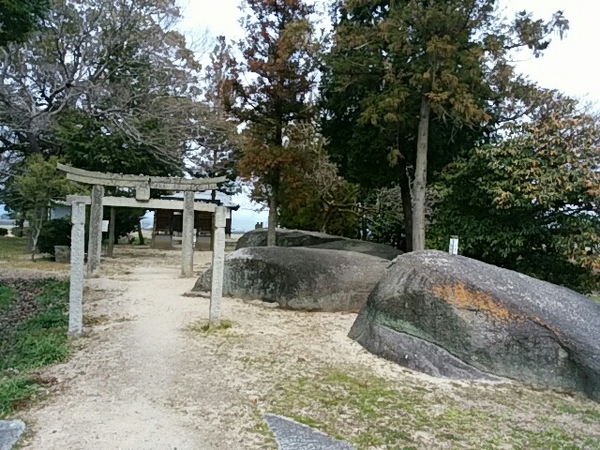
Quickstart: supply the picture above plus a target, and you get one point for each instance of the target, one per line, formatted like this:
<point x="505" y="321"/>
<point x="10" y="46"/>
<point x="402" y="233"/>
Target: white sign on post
<point x="453" y="245"/>
<point x="105" y="226"/>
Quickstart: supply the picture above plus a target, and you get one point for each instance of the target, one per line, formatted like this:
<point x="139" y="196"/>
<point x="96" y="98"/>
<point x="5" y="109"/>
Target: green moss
<point x="370" y="412"/>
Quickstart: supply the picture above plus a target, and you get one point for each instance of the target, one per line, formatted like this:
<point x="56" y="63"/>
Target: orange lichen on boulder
<point x="461" y="296"/>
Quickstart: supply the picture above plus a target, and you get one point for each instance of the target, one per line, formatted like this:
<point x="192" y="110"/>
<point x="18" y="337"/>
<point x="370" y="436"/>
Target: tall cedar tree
<point x="279" y="67"/>
<point x="442" y="59"/>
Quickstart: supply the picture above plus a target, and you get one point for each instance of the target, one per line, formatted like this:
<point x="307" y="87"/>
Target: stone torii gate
<point x="142" y="185"/>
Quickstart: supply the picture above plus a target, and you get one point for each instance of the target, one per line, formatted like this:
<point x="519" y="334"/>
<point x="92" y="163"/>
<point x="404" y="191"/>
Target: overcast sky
<point x="568" y="65"/>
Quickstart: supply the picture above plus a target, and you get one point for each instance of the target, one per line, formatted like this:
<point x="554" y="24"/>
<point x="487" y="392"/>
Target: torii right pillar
<point x="218" y="266"/>
<point x="95" y="237"/>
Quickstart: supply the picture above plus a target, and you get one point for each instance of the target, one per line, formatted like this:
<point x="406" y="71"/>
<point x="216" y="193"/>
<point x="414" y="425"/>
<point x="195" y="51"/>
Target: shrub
<point x="3" y="232"/>
<point x="54" y="232"/>
<point x="19" y="232"/>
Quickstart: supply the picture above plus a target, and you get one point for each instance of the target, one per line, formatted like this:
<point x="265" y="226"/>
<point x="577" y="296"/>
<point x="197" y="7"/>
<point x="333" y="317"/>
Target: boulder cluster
<point x="444" y="315"/>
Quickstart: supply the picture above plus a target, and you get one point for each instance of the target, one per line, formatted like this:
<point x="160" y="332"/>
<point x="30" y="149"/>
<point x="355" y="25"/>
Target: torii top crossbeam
<point x="141" y="183"/>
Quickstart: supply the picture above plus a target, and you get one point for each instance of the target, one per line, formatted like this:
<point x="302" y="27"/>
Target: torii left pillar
<point x="95" y="238"/>
<point x="76" y="273"/>
<point x="187" y="238"/>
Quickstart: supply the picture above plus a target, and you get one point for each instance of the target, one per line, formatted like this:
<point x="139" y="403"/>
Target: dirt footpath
<point x="119" y="389"/>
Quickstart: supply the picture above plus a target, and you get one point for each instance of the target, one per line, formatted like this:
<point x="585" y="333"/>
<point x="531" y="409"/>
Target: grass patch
<point x="14" y="392"/>
<point x="92" y="321"/>
<point x="12" y="247"/>
<point x="103" y="319"/>
<point x="203" y="326"/>
<point x="371" y="412"/>
<point x="589" y="415"/>
<point x="13" y="254"/>
<point x="596" y="298"/>
<point x="33" y="334"/>
<point x="7" y="296"/>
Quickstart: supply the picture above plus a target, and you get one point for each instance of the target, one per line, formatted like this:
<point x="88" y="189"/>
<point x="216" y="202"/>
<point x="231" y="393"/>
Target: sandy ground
<point x="141" y="379"/>
<point x="144" y="376"/>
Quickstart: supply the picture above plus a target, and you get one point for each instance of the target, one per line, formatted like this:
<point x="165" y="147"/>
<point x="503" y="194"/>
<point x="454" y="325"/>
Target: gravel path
<point x="123" y="389"/>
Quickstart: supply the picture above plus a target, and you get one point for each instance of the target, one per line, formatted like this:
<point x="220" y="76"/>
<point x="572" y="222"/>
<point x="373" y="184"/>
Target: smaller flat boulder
<point x="291" y="435"/>
<point x="285" y="238"/>
<point x="300" y="278"/>
<point x="10" y="432"/>
<point x="365" y="247"/>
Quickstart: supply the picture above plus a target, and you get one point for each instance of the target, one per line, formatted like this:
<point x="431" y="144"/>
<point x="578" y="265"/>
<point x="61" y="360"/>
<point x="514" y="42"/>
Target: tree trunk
<point x="35" y="228"/>
<point x="326" y="219"/>
<point x="35" y="234"/>
<point x="406" y="209"/>
<point x="140" y="233"/>
<point x="271" y="234"/>
<point x="420" y="184"/>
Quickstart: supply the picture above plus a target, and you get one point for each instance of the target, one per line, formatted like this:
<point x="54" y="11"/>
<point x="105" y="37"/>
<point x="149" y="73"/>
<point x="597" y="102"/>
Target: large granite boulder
<point x="300" y="278"/>
<point x="366" y="247"/>
<point x="285" y="238"/>
<point x="460" y="318"/>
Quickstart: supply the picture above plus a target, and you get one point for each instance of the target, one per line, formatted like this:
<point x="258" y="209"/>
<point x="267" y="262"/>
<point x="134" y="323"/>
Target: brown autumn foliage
<point x="279" y="77"/>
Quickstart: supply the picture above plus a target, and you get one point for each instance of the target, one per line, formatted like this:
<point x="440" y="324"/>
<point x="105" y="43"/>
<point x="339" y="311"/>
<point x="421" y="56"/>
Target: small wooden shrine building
<point x="168" y="224"/>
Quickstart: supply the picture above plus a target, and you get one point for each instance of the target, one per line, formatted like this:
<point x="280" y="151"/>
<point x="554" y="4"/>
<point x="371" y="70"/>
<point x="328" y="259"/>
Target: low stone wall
<point x="162" y="242"/>
<point x="62" y="253"/>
